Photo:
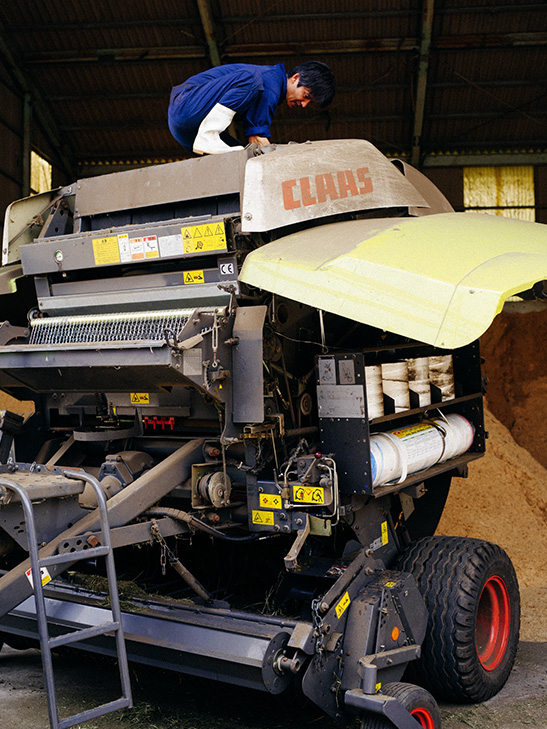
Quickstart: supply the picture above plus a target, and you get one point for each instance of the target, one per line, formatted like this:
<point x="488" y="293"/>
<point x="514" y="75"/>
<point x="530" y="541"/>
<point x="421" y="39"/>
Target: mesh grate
<point x="141" y="326"/>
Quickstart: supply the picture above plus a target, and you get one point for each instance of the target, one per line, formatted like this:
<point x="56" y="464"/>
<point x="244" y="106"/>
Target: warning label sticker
<point x="194" y="277"/>
<point x="44" y="574"/>
<point x="269" y="501"/>
<point x="206" y="237"/>
<point x="106" y="251"/>
<point x="140" y="398"/>
<point x="342" y="605"/>
<point x="308" y="495"/>
<point x="151" y="249"/>
<point x="385" y="533"/>
<point x="170" y="245"/>
<point x="263" y="517"/>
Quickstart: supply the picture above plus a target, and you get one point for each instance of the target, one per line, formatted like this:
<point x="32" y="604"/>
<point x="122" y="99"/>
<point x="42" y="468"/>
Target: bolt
<point x="324" y="607"/>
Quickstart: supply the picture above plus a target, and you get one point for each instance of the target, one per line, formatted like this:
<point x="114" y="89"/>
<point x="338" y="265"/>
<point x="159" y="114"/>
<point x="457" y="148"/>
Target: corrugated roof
<point x="105" y="70"/>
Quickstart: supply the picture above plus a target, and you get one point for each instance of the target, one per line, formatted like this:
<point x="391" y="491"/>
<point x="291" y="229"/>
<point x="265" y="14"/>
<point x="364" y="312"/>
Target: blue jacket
<point x="253" y="92"/>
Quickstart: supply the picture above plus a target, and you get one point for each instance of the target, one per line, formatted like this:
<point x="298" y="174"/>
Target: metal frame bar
<point x="114" y="625"/>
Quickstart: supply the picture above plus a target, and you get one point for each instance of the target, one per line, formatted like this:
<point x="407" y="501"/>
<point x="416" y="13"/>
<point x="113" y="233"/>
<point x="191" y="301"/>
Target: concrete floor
<point x="167" y="701"/>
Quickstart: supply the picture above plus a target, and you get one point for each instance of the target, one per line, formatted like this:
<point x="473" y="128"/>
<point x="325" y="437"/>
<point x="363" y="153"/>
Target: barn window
<point x="40" y="174"/>
<point x="507" y="191"/>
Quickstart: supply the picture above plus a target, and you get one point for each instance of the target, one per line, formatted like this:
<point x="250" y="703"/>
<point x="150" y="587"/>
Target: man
<point x="202" y="108"/>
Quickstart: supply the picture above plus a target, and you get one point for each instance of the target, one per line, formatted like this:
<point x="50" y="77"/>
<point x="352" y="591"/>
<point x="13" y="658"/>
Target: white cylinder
<point x="441" y="374"/>
<point x="398" y="453"/>
<point x="395" y="384"/>
<point x="418" y="379"/>
<point x="375" y="394"/>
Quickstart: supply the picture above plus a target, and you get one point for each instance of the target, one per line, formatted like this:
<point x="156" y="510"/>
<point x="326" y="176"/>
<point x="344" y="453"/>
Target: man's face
<point x="297" y="95"/>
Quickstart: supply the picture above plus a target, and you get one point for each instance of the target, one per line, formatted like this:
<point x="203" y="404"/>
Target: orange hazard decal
<point x="328" y="186"/>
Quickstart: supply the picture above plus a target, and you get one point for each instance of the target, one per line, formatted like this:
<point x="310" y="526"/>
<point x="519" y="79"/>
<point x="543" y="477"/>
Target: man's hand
<point x="261" y="141"/>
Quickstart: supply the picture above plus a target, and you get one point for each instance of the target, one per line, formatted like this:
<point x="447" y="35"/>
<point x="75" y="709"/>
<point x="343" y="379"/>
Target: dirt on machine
<point x="254" y="376"/>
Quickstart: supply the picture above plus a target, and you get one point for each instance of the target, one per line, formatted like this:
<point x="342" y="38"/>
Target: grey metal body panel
<point x="186" y="180"/>
<point x="248" y="388"/>
<point x="318" y="179"/>
<point x="77" y="249"/>
<point x="217" y="644"/>
<point x="154" y="297"/>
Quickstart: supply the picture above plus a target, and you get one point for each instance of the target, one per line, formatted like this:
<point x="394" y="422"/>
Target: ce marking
<point x="227" y="269"/>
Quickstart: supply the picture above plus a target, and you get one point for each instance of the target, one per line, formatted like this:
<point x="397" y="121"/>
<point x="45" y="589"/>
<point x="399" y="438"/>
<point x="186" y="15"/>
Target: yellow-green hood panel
<point x="439" y="279"/>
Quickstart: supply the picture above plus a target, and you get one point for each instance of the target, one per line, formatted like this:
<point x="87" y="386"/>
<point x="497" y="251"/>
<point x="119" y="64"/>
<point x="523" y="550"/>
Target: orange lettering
<point x="288" y="199"/>
<point x="305" y="188"/>
<point x="325" y="187"/>
<point x="362" y="177"/>
<point x="346" y="183"/>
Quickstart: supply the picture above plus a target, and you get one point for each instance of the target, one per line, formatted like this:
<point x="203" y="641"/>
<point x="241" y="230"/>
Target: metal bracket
<point x="291" y="560"/>
<point x="382" y="704"/>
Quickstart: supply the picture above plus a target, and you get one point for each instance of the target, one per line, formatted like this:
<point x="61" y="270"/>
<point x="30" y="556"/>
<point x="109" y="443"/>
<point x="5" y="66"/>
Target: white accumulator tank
<point x="396" y="454"/>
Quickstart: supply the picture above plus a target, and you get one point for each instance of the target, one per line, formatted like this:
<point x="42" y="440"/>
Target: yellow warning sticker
<point x="194" y="277"/>
<point x="140" y="398"/>
<point x="269" y="501"/>
<point x="390" y="584"/>
<point x="308" y="495"/>
<point x="385" y="535"/>
<point x="342" y="605"/>
<point x="206" y="237"/>
<point x="106" y="250"/>
<point x="44" y="575"/>
<point x="263" y="517"/>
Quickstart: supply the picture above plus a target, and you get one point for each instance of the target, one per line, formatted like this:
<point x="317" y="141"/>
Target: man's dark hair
<point x="318" y="78"/>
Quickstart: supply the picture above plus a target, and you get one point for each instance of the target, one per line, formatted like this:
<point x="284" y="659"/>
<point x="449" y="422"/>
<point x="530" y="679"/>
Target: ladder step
<point x="95" y="713"/>
<point x="74" y="556"/>
<point x="83" y="634"/>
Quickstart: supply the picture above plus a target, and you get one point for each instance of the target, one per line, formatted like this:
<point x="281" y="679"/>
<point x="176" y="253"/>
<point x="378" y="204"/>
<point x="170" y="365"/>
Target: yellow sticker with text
<point x="390" y="584"/>
<point x="140" y="398"/>
<point x="194" y="277"/>
<point x="342" y="605"/>
<point x="269" y="501"/>
<point x="263" y="517"/>
<point x="385" y="535"/>
<point x="308" y="495"/>
<point x="205" y="237"/>
<point x="106" y="250"/>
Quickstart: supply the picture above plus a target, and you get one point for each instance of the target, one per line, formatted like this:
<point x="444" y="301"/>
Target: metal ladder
<point x="39" y="578"/>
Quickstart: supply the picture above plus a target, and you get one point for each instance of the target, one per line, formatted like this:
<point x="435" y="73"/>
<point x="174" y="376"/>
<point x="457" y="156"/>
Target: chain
<point x="318" y="626"/>
<point x="165" y="552"/>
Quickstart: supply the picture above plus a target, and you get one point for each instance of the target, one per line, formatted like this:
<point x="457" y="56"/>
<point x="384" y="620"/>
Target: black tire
<point x="472" y="595"/>
<point x="419" y="702"/>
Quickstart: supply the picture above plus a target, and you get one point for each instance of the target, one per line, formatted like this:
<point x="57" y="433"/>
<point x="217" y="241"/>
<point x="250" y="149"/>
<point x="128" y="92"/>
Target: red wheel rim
<point x="423" y="717"/>
<point x="493" y="623"/>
